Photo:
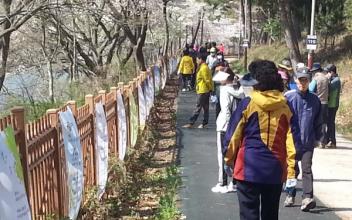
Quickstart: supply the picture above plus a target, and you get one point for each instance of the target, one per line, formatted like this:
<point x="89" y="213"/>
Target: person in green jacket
<point x="333" y="103"/>
<point x="204" y="86"/>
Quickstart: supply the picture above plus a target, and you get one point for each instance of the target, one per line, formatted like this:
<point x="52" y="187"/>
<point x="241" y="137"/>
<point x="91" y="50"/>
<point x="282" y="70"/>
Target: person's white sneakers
<point x="231" y="187"/>
<point x="219" y="189"/>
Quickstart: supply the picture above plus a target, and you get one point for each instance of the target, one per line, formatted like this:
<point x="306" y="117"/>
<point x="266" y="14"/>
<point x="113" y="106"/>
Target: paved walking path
<point x="332" y="170"/>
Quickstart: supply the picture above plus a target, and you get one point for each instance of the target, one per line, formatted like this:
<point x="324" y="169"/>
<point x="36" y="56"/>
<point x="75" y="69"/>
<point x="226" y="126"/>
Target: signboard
<point x="245" y="43"/>
<point x="13" y="197"/>
<point x="74" y="161"/>
<point x="122" y="126"/>
<point x="142" y="107"/>
<point x="312" y="42"/>
<point x="133" y="119"/>
<point x="102" y="147"/>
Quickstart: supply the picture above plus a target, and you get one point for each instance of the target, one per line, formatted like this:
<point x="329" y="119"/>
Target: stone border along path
<point x="333" y="185"/>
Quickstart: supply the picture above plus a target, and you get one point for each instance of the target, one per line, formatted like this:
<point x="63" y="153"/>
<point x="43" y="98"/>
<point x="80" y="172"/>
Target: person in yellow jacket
<point x="186" y="69"/>
<point x="204" y="86"/>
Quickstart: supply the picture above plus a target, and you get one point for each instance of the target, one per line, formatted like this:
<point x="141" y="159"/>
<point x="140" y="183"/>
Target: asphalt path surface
<point x="198" y="163"/>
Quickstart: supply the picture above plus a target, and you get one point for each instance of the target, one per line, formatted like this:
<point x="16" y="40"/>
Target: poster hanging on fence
<point x="133" y="119"/>
<point x="13" y="197"/>
<point x="142" y="107"/>
<point x="152" y="91"/>
<point x="74" y="161"/>
<point x="122" y="126"/>
<point x="102" y="147"/>
<point x="149" y="94"/>
<point x="156" y="72"/>
<point x="145" y="88"/>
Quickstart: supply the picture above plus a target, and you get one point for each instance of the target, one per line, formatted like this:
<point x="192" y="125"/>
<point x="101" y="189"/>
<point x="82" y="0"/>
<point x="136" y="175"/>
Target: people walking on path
<point x="306" y="107"/>
<point x="204" y="86"/>
<point x="333" y="103"/>
<point x="211" y="59"/>
<point x="230" y="95"/>
<point x="219" y="64"/>
<point x="320" y="86"/>
<point x="259" y="144"/>
<point x="186" y="69"/>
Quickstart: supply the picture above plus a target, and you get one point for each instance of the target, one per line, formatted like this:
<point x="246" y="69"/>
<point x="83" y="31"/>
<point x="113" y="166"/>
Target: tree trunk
<point x="249" y="22"/>
<point x="49" y="67"/>
<point x="167" y="33"/>
<point x="139" y="56"/>
<point x="243" y="18"/>
<point x="290" y="36"/>
<point x="297" y="26"/>
<point x="5" y="8"/>
<point x="200" y="18"/>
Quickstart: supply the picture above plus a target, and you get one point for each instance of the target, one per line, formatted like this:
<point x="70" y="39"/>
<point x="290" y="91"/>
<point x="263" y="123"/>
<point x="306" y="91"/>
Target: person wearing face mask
<point x="211" y="59"/>
<point x="230" y="95"/>
<point x="219" y="65"/>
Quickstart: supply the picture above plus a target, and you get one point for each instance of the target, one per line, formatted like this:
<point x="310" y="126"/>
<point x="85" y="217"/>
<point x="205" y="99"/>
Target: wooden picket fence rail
<point x="40" y="144"/>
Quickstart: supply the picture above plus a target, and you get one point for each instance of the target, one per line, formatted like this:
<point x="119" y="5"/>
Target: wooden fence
<point x="40" y="144"/>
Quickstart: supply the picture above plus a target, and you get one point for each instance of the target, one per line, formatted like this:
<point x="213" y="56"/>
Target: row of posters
<point x="13" y="198"/>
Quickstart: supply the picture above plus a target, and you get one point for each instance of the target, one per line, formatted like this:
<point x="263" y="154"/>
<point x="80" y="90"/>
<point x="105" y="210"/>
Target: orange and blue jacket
<point x="259" y="141"/>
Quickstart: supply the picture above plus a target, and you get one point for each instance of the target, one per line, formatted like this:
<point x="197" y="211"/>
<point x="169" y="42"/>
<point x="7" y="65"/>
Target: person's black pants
<point x="324" y="116"/>
<point x="307" y="175"/>
<point x="202" y="103"/>
<point x="331" y="133"/>
<point x="253" y="197"/>
<point x="186" y="79"/>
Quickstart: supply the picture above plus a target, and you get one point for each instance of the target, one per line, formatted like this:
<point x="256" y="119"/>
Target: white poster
<point x="133" y="119"/>
<point x="145" y="88"/>
<point x="122" y="126"/>
<point x="101" y="147"/>
<point x="150" y="94"/>
<point x="163" y="79"/>
<point x="13" y="197"/>
<point x="156" y="72"/>
<point x="142" y="107"/>
<point x="74" y="161"/>
<point x="152" y="91"/>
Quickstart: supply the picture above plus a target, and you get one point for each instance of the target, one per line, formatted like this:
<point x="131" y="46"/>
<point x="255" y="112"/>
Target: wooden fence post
<point x="103" y="96"/>
<point x="18" y="123"/>
<point x="89" y="99"/>
<point x="54" y="119"/>
<point x="135" y="87"/>
<point x="116" y="147"/>
<point x="73" y="107"/>
<point x="126" y="92"/>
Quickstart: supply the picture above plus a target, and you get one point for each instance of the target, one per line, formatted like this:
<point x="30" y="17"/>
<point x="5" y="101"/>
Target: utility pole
<point x="245" y="35"/>
<point x="311" y="52"/>
<point x="202" y="27"/>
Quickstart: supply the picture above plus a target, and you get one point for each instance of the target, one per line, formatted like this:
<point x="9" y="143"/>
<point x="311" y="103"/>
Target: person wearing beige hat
<point x="286" y="66"/>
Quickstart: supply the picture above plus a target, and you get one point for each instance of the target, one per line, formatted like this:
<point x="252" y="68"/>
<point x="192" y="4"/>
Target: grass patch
<point x="167" y="205"/>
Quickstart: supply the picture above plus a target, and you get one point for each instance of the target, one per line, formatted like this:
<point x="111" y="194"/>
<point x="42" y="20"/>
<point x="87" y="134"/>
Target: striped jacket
<point x="259" y="141"/>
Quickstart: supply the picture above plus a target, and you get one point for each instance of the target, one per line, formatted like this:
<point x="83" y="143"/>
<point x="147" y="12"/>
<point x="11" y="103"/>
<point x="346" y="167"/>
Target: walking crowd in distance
<point x="267" y="121"/>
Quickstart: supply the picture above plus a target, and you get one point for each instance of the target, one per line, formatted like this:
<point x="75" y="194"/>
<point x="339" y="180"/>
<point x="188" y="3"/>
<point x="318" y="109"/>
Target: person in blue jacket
<point x="306" y="107"/>
<point x="259" y="144"/>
